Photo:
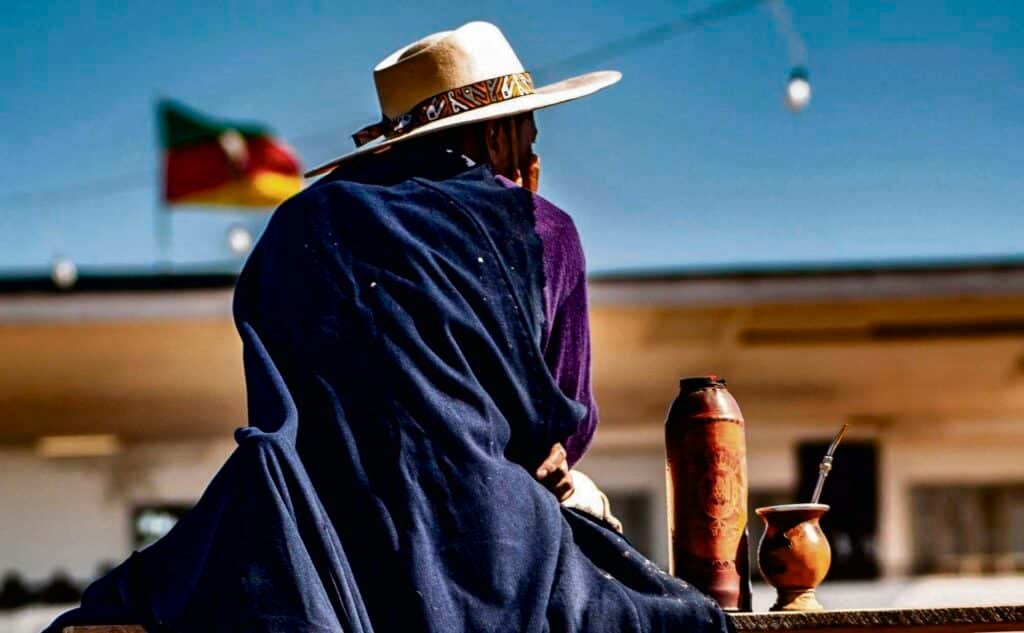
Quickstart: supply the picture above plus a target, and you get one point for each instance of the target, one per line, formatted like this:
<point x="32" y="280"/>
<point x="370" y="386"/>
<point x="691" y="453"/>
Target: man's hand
<point x="530" y="177"/>
<point x="554" y="473"/>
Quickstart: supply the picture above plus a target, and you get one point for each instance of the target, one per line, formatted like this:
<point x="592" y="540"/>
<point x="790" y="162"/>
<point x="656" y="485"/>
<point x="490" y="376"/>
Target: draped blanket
<point x="397" y="404"/>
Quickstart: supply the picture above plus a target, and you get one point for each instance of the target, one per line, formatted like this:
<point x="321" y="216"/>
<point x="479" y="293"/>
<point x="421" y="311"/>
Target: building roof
<point x="117" y="297"/>
<point x="811" y="282"/>
<point x="815" y="268"/>
<point x="37" y="283"/>
<point x="183" y="295"/>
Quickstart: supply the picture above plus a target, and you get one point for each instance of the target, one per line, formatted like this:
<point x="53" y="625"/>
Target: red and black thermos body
<point x="706" y="451"/>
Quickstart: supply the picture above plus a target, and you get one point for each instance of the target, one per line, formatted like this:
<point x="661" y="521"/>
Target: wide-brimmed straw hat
<point x="453" y="78"/>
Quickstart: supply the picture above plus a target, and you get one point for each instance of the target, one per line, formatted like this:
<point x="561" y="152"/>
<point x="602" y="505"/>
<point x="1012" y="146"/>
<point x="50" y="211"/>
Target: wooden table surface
<point x="942" y="620"/>
<point x="952" y="619"/>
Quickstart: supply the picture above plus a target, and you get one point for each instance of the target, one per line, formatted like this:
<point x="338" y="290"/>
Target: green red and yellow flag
<point x="214" y="162"/>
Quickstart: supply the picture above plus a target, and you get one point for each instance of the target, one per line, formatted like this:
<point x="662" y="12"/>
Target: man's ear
<point x="502" y="149"/>
<point x="498" y="144"/>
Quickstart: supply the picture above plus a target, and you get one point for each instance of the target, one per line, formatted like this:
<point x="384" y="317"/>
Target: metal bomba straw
<point x="826" y="463"/>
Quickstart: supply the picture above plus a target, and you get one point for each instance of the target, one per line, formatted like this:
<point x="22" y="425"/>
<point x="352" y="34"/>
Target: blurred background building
<point x="119" y="399"/>
<point x="925" y="361"/>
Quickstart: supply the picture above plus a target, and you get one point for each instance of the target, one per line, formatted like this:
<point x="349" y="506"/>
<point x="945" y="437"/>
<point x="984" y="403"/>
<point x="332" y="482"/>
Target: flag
<point x="214" y="162"/>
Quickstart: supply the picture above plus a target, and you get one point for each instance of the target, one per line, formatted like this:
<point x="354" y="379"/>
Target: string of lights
<point x="606" y="51"/>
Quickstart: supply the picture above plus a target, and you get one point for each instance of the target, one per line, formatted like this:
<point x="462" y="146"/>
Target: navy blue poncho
<point x="398" y="403"/>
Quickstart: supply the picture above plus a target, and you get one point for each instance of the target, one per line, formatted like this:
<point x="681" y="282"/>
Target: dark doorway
<point x="852" y="492"/>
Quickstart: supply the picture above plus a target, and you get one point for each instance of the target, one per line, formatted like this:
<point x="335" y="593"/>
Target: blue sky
<point x="912" y="148"/>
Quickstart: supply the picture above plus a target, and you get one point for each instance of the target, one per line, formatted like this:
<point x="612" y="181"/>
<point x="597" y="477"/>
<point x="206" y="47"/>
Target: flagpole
<point x="163" y="234"/>
<point x="162" y="222"/>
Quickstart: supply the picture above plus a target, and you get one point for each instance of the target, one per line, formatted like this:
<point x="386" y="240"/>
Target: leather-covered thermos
<point x="706" y="451"/>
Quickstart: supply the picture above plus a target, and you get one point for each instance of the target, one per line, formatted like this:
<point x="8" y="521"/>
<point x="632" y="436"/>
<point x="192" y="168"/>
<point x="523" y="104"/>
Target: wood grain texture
<point x="952" y="619"/>
<point x="116" y="628"/>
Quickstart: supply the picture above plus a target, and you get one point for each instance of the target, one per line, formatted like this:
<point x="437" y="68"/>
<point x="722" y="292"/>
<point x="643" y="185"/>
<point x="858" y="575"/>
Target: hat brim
<point x="543" y="97"/>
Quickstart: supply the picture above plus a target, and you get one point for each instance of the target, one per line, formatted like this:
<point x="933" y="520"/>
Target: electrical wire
<point x="655" y="35"/>
<point x="606" y="51"/>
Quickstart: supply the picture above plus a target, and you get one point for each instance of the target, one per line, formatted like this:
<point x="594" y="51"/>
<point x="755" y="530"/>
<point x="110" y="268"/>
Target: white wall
<point x="75" y="514"/>
<point x="631" y="472"/>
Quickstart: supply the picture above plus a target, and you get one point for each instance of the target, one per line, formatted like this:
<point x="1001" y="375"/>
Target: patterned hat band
<point x="449" y="103"/>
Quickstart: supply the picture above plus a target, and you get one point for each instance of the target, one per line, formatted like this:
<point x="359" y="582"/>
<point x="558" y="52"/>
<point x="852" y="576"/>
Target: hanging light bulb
<point x="64" y="273"/>
<point x="798" y="90"/>
<point x="239" y="239"/>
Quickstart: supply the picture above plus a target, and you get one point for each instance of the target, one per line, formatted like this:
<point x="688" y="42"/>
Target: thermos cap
<point x="701" y="382"/>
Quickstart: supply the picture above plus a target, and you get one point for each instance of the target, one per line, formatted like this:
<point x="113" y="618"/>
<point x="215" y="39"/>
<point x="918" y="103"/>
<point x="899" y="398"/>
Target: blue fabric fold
<point x="398" y="402"/>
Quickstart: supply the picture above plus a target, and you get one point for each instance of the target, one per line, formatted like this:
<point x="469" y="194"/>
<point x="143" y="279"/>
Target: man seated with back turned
<point x="417" y="361"/>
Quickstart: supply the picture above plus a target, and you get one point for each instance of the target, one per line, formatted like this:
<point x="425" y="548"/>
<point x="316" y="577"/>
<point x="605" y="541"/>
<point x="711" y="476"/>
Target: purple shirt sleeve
<point x="566" y="337"/>
<point x="566" y="340"/>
